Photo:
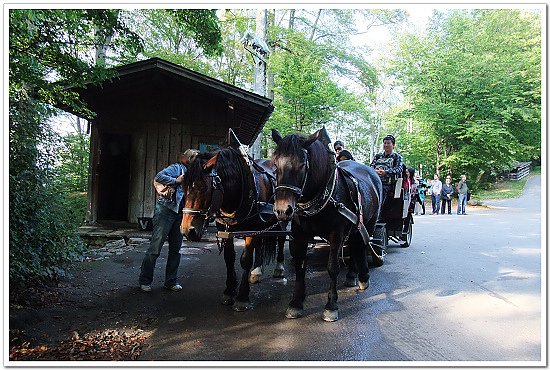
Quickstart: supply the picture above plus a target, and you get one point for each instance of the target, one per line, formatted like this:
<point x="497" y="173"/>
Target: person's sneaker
<point x="145" y="287"/>
<point x="174" y="288"/>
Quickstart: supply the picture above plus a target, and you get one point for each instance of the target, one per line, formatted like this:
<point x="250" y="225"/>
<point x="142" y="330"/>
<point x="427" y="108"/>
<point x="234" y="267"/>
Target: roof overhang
<point x="250" y="111"/>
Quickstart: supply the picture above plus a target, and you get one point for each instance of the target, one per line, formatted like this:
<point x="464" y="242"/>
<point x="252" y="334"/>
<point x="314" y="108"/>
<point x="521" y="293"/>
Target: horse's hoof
<point x="279" y="274"/>
<point x="254" y="279"/>
<point x="241" y="306"/>
<point x="350" y="282"/>
<point x="294" y="313"/>
<point x="227" y="300"/>
<point x="364" y="285"/>
<point x="330" y="316"/>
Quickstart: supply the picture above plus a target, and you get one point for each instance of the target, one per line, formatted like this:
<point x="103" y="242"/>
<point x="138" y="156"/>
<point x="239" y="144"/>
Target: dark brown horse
<point x="226" y="185"/>
<point x="328" y="200"/>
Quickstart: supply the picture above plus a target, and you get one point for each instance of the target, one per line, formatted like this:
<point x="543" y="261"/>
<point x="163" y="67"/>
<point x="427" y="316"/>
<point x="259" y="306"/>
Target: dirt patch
<point x="95" y="312"/>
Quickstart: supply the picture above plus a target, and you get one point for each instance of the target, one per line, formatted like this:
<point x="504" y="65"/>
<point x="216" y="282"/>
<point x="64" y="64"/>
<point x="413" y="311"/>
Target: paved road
<point x="468" y="289"/>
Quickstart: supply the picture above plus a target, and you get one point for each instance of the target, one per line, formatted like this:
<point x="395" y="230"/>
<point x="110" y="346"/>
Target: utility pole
<point x="256" y="45"/>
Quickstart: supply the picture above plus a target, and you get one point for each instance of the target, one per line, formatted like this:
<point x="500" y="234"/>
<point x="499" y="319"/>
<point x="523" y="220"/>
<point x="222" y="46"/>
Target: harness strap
<point x="355" y="218"/>
<point x="294" y="189"/>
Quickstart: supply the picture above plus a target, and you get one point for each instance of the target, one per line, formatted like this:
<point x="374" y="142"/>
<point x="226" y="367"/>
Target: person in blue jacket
<point x="166" y="224"/>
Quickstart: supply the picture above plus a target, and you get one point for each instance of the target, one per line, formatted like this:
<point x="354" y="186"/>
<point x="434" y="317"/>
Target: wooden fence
<point x="520" y="171"/>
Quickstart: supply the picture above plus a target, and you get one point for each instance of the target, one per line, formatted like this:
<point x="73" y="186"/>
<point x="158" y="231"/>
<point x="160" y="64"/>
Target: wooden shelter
<point x="146" y="115"/>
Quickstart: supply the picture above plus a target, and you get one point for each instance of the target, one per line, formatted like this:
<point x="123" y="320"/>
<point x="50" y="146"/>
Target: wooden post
<point x="259" y="71"/>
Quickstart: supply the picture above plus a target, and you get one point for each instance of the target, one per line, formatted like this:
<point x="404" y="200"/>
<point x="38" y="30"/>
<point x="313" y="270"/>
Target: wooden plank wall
<point x="155" y="148"/>
<point x="150" y="170"/>
<point x="137" y="185"/>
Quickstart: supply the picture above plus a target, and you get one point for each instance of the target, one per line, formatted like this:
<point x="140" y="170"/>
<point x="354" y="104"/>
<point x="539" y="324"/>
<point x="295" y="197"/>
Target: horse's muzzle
<point x="192" y="234"/>
<point x="284" y="214"/>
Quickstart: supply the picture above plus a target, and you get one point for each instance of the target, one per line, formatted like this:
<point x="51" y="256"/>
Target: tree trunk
<point x="315" y="24"/>
<point x="291" y="19"/>
<point x="102" y="44"/>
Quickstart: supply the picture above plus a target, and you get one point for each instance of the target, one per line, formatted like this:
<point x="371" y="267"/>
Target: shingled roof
<point x="250" y="110"/>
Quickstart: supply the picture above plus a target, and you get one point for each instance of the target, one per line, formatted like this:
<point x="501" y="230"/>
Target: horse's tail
<point x="267" y="249"/>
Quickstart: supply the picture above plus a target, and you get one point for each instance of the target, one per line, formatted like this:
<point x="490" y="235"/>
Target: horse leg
<point x="296" y="306"/>
<point x="242" y="302"/>
<point x="351" y="276"/>
<point x="256" y="273"/>
<point x="359" y="256"/>
<point x="231" y="279"/>
<point x="279" y="271"/>
<point x="331" y="308"/>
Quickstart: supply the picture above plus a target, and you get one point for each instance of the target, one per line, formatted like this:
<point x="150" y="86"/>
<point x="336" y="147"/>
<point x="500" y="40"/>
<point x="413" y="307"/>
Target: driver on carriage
<point x="388" y="165"/>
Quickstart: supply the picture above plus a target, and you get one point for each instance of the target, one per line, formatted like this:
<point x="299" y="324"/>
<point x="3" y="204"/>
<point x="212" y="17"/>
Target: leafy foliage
<point x="49" y="50"/>
<point x="474" y="91"/>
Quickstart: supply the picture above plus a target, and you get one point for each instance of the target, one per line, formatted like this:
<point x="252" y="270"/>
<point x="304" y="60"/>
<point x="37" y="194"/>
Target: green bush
<point x="43" y="219"/>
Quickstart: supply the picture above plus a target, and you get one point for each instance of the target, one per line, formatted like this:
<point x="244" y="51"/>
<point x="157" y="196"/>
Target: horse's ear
<point x="311" y="139"/>
<point x="210" y="163"/>
<point x="276" y="136"/>
<point x="323" y="136"/>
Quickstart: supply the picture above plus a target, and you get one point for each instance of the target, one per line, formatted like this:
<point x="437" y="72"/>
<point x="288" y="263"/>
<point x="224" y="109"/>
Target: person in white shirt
<point x="436" y="194"/>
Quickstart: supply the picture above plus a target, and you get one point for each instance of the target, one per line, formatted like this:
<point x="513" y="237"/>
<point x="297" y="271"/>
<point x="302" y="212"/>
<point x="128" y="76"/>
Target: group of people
<point x="387" y="164"/>
<point x="442" y="194"/>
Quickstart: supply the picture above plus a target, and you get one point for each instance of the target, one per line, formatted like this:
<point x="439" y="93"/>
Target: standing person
<point x="388" y="165"/>
<point x="341" y="153"/>
<point x="436" y="194"/>
<point x="446" y="195"/>
<point x="166" y="224"/>
<point x="462" y="195"/>
<point x="338" y="146"/>
<point x="422" y="186"/>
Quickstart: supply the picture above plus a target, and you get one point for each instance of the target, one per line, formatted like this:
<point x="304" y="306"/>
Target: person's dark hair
<point x="338" y="142"/>
<point x="391" y="138"/>
<point x="343" y="155"/>
<point x="411" y="172"/>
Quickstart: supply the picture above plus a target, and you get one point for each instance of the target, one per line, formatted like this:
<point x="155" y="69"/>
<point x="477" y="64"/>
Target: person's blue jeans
<point x="461" y="204"/>
<point x="435" y="202"/>
<point x="166" y="224"/>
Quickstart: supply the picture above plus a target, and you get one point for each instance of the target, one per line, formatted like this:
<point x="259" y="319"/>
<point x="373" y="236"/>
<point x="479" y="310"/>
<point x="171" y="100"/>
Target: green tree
<point x="474" y="90"/>
<point x="50" y="49"/>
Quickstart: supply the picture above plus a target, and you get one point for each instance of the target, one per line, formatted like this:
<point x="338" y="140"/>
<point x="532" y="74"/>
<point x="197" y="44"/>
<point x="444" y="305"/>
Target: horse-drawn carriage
<point x="339" y="203"/>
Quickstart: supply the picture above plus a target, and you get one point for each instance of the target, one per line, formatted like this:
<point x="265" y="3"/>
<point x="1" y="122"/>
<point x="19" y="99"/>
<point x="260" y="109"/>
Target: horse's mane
<point x="195" y="171"/>
<point x="229" y="167"/>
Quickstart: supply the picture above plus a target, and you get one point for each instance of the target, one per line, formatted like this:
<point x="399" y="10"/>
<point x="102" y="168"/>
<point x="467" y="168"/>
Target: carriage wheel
<point x="407" y="238"/>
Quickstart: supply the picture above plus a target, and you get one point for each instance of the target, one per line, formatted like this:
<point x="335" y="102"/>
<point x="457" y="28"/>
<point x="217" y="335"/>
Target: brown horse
<point x="226" y="185"/>
<point x="321" y="198"/>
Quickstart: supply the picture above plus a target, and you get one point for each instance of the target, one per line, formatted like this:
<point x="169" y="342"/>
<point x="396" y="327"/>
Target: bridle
<point x="218" y="214"/>
<point x="208" y="213"/>
<point x="321" y="200"/>
<point x="295" y="189"/>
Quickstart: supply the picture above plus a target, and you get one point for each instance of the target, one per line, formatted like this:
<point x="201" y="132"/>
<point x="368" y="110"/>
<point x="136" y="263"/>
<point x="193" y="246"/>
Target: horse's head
<point x="203" y="195"/>
<point x="292" y="162"/>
